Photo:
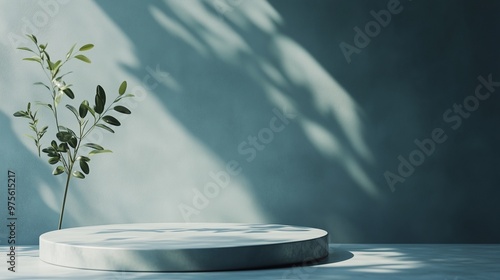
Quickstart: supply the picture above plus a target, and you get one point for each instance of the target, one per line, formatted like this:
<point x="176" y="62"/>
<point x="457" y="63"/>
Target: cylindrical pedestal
<point x="183" y="246"/>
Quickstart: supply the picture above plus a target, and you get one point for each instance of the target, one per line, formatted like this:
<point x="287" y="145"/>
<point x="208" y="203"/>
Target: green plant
<point x="64" y="149"/>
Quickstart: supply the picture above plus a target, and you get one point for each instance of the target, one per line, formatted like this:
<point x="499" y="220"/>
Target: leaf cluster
<point x="33" y="123"/>
<point x="64" y="149"/>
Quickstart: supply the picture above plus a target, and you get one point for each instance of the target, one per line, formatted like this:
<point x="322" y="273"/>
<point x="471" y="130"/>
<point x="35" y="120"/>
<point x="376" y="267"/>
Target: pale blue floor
<point x="348" y="261"/>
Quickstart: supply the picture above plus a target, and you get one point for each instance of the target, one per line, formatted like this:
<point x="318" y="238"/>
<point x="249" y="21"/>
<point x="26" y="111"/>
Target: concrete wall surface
<point x="374" y="120"/>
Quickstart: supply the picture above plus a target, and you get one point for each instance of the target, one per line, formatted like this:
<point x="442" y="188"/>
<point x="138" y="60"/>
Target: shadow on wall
<point x="257" y="97"/>
<point x="235" y="68"/>
<point x="35" y="190"/>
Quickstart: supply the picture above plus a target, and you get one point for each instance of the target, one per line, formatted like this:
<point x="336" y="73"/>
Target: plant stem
<point x="71" y="163"/>
<point x="64" y="197"/>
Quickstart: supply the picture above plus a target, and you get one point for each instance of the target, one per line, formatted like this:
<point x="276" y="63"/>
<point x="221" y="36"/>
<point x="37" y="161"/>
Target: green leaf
<point x="73" y="110"/>
<point x="94" y="146"/>
<point x="124" y="96"/>
<point x="58" y="170"/>
<point x="123" y="88"/>
<point x="26" y="49"/>
<point x="69" y="93"/>
<point x="64" y="128"/>
<point x="41" y="103"/>
<point x="84" y="108"/>
<point x="44" y="129"/>
<point x="50" y="65"/>
<point x="42" y="84"/>
<point x="54" y="160"/>
<point x="103" y="126"/>
<point x="70" y="52"/>
<point x="84" y="166"/>
<point x="55" y="71"/>
<point x="111" y="120"/>
<point x="57" y="63"/>
<point x="94" y="152"/>
<point x="122" y="109"/>
<point x="46" y="54"/>
<point x="53" y="144"/>
<point x="78" y="175"/>
<point x="100" y="100"/>
<point x="57" y="100"/>
<point x="35" y="58"/>
<point x="71" y="131"/>
<point x="60" y="77"/>
<point x="33" y="38"/>
<point x="86" y="47"/>
<point x="53" y="154"/>
<point x="63" y="147"/>
<point x="55" y="68"/>
<point x="82" y="58"/>
<point x="73" y="142"/>
<point x="48" y="150"/>
<point x="21" y="114"/>
<point x="84" y="158"/>
<point x="64" y="136"/>
<point x="86" y="104"/>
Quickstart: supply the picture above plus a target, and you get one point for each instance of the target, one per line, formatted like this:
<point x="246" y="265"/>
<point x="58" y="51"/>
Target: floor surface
<point x="346" y="261"/>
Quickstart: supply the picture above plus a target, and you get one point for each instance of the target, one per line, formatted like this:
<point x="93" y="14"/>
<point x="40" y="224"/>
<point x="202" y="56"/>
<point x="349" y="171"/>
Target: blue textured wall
<point x="375" y="120"/>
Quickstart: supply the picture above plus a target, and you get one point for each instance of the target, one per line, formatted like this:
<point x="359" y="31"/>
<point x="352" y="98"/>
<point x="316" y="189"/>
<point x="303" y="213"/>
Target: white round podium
<point x="183" y="246"/>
